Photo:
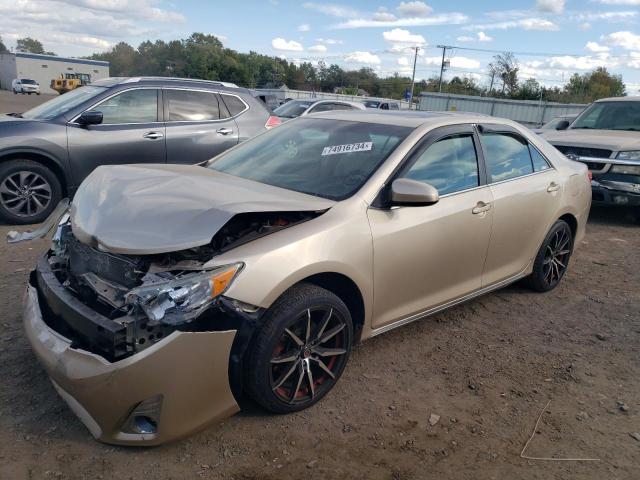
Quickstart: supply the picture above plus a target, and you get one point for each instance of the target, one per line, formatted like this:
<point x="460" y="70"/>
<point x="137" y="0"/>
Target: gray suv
<point x="46" y="152"/>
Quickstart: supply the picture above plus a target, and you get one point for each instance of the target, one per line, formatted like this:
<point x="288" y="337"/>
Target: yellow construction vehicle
<point x="70" y="81"/>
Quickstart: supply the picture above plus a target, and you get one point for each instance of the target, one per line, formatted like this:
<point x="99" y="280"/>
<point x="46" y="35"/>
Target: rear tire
<point x="301" y="350"/>
<point x="552" y="259"/>
<point x="29" y="192"/>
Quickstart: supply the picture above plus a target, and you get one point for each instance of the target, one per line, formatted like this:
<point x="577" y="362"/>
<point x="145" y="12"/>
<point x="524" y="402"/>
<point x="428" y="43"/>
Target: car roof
<point x="619" y="99"/>
<point x="404" y="118"/>
<point x="165" y="81"/>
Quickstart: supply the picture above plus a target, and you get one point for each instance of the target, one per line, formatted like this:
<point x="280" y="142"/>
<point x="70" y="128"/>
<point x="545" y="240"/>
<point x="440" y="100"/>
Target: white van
<point x="25" y="85"/>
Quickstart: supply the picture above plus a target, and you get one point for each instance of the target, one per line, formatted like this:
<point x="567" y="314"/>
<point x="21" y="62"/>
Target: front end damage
<point x="145" y="348"/>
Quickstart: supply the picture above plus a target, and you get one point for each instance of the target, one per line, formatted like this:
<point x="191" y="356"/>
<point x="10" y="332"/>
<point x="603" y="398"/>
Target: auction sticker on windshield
<point x="350" y="147"/>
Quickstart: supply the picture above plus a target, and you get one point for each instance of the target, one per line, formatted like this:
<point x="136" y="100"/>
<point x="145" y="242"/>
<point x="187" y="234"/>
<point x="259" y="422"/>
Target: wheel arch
<point x="572" y="221"/>
<point x="348" y="291"/>
<point x="43" y="159"/>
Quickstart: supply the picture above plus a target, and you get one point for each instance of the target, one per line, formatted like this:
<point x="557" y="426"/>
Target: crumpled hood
<point x="615" y="140"/>
<point x="146" y="209"/>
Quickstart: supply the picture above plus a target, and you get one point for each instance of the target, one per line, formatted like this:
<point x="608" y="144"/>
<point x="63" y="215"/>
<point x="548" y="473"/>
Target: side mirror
<point x="563" y="125"/>
<point x="90" y="118"/>
<point x="405" y="191"/>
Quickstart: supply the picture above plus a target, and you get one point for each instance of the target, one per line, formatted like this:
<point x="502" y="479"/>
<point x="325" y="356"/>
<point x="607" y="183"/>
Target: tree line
<point x="204" y="56"/>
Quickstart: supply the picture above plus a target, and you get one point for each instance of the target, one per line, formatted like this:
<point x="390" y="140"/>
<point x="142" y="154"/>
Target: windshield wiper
<point x="17" y="115"/>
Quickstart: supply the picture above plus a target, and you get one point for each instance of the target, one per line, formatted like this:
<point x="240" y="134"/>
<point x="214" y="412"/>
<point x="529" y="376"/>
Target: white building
<point x="44" y="68"/>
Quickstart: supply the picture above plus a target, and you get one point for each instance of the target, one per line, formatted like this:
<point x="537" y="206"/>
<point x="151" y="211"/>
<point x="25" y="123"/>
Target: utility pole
<point x="444" y="52"/>
<point x="413" y="77"/>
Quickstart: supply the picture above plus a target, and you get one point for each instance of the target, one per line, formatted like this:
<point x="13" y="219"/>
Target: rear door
<point x="526" y="191"/>
<point x="130" y="132"/>
<point x="198" y="125"/>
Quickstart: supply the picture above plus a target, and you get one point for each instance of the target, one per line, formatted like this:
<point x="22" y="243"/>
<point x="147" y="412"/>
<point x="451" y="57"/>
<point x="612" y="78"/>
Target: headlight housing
<point x="181" y="299"/>
<point x="629" y="155"/>
<point x="628" y="169"/>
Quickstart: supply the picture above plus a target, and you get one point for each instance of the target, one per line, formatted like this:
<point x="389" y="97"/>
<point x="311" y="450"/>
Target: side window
<point x="342" y="106"/>
<point x="506" y="155"/>
<point x="450" y="165"/>
<point x="234" y="104"/>
<point x="385" y="106"/>
<point x="191" y="106"/>
<point x="132" y="106"/>
<point x="393" y="106"/>
<point x="539" y="162"/>
<point x="323" y="107"/>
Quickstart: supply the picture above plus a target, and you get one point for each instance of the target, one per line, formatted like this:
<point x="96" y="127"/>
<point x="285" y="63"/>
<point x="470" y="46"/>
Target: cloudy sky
<point x="551" y="38"/>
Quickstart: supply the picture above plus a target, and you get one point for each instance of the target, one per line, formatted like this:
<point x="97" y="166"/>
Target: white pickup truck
<point x="606" y="137"/>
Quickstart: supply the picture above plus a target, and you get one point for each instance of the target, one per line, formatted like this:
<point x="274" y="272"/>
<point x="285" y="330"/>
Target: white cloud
<point x="317" y="49"/>
<point x="524" y="23"/>
<point x="626" y="40"/>
<point x="289" y="46"/>
<point x="596" y="47"/>
<point x="584" y="26"/>
<point x="363" y="57"/>
<point x="455" y="62"/>
<point x="329" y="41"/>
<point x="305" y="27"/>
<point x="454" y="18"/>
<point x="480" y="37"/>
<point x="403" y="61"/>
<point x="335" y="10"/>
<point x="620" y="2"/>
<point x="383" y="16"/>
<point x="552" y="6"/>
<point x="611" y="17"/>
<point x="413" y="9"/>
<point x="398" y="35"/>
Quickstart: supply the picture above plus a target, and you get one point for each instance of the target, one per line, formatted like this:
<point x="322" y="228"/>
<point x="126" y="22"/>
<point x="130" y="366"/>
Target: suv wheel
<point x="29" y="192"/>
<point x="301" y="350"/>
<point x="552" y="259"/>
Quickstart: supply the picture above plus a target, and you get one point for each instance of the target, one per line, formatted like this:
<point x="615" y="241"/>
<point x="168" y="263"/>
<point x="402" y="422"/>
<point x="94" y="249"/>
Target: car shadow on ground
<point x="619" y="216"/>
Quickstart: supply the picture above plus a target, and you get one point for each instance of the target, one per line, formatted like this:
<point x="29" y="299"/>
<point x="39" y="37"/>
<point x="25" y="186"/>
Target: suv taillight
<point x="272" y="122"/>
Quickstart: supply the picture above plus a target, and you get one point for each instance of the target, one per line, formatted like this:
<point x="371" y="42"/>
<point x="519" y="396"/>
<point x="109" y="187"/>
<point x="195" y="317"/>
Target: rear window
<point x="234" y="104"/>
<point x="322" y="157"/>
<point x="26" y="81"/>
<point x="293" y="109"/>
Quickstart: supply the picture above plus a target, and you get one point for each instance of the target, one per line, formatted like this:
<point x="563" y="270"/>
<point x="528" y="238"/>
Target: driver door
<point x="426" y="256"/>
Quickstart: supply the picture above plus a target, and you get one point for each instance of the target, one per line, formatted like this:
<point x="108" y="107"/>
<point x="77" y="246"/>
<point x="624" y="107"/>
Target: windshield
<point x="322" y="157"/>
<point x="26" y="81"/>
<point x="371" y="104"/>
<point x="610" y="116"/>
<point x="63" y="103"/>
<point x="293" y="109"/>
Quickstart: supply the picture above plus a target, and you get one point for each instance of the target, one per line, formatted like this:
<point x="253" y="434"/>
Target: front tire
<point x="552" y="259"/>
<point x="301" y="350"/>
<point x="29" y="192"/>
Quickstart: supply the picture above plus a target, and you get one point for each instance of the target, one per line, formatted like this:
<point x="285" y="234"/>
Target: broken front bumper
<point x="608" y="192"/>
<point x="181" y="382"/>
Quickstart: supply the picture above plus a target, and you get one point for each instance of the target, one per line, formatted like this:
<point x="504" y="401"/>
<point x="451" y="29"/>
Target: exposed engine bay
<point x="149" y="296"/>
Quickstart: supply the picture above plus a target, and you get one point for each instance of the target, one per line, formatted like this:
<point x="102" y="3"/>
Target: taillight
<point x="589" y="175"/>
<point x="272" y="122"/>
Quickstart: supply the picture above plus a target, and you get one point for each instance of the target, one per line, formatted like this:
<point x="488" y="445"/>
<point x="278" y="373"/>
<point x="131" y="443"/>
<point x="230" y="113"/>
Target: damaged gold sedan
<point x="171" y="291"/>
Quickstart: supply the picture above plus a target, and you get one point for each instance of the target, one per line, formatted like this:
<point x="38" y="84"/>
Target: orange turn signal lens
<point x="221" y="280"/>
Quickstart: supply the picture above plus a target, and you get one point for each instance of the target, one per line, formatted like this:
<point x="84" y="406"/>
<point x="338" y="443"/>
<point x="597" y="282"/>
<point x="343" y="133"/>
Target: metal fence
<point x="282" y="93"/>
<point x="529" y="112"/>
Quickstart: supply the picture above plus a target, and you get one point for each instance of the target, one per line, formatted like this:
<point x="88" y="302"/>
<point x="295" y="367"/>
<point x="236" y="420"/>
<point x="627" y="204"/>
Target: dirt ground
<point x="486" y="368"/>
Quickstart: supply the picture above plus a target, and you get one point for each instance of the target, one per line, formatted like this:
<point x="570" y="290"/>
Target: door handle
<point x="224" y="131"/>
<point x="153" y="135"/>
<point x="481" y="207"/>
<point x="553" y="187"/>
